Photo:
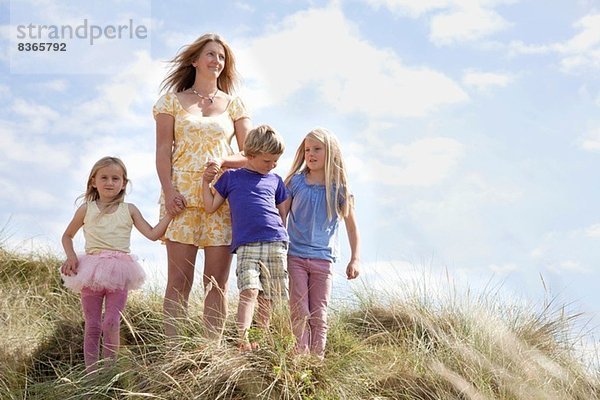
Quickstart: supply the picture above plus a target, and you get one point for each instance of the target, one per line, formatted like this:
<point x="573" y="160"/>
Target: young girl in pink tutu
<point x="106" y="272"/>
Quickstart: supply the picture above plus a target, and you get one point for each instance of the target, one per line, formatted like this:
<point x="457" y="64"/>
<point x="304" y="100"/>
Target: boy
<point x="256" y="198"/>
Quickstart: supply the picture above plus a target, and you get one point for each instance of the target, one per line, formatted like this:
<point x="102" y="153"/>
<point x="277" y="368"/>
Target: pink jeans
<point x="310" y="290"/>
<point x="95" y="325"/>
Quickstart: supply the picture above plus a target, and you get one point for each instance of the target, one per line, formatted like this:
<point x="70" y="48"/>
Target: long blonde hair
<point x="91" y="193"/>
<point x="182" y="73"/>
<point x="336" y="180"/>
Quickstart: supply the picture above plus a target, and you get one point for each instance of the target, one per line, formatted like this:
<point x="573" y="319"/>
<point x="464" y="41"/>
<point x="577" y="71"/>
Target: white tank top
<point x="107" y="231"/>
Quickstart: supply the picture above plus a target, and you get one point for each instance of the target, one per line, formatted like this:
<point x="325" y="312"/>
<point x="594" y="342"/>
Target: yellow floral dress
<point x="196" y="140"/>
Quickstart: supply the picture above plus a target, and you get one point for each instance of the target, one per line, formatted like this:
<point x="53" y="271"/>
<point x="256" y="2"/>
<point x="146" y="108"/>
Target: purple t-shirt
<point x="252" y="199"/>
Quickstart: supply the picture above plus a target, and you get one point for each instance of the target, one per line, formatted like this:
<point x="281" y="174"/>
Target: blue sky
<point x="471" y="127"/>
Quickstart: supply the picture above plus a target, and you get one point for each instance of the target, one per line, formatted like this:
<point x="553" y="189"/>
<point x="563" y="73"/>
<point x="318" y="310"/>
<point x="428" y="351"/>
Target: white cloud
<point x="468" y="197"/>
<point x="503" y="269"/>
<point x="122" y="102"/>
<point x="38" y="117"/>
<point x="482" y="81"/>
<point x="537" y="253"/>
<point x="570" y="251"/>
<point x="591" y="142"/>
<point x="416" y="8"/>
<point x="568" y="267"/>
<point x="412" y="8"/>
<point x="33" y="197"/>
<point x="244" y="6"/>
<point x="396" y="279"/>
<point x="451" y="21"/>
<point x="458" y="217"/>
<point x="174" y="40"/>
<point x="4" y="91"/>
<point x="465" y="24"/>
<point x="588" y="37"/>
<point x="349" y="73"/>
<point x="583" y="50"/>
<point x="519" y="47"/>
<point x="580" y="52"/>
<point x="48" y="156"/>
<point x="424" y="162"/>
<point x="593" y="231"/>
<point x="55" y="85"/>
<point x="5" y="30"/>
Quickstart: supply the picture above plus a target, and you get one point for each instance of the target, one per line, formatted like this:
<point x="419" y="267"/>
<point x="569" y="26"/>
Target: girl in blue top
<point x="319" y="199"/>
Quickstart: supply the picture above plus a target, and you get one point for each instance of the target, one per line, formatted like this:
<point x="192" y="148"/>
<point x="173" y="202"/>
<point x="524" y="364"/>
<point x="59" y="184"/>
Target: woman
<point x="196" y="121"/>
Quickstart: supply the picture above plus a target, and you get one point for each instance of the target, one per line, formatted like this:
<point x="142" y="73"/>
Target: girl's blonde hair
<point x="91" y="193"/>
<point x="182" y="73"/>
<point x="336" y="180"/>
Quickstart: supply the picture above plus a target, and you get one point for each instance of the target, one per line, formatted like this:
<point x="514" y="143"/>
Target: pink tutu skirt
<point x="108" y="270"/>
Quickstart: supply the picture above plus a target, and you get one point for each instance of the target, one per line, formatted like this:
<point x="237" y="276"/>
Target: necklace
<point x="209" y="98"/>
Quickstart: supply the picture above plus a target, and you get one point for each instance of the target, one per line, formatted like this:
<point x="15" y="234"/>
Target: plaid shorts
<point x="263" y="266"/>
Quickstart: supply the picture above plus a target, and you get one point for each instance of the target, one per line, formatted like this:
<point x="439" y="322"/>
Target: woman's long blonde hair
<point x="91" y="193"/>
<point x="182" y="73"/>
<point x="336" y="180"/>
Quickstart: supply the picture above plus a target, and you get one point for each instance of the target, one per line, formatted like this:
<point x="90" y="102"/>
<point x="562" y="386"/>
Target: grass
<point x="415" y="346"/>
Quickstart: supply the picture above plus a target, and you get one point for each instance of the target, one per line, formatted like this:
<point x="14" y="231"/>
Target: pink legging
<point x="95" y="325"/>
<point x="310" y="290"/>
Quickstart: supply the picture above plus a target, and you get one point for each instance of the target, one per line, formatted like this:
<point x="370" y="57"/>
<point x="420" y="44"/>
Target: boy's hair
<point x="336" y="180"/>
<point x="263" y="139"/>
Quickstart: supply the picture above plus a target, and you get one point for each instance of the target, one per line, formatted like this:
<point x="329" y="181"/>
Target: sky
<point x="471" y="128"/>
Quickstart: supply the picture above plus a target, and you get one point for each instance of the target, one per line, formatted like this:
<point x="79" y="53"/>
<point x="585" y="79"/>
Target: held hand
<point x="215" y="161"/>
<point x="174" y="202"/>
<point x="352" y="270"/>
<point x="69" y="267"/>
<point x="212" y="169"/>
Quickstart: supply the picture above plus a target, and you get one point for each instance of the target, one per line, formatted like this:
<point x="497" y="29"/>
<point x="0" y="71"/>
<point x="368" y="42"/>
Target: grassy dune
<point x="379" y="348"/>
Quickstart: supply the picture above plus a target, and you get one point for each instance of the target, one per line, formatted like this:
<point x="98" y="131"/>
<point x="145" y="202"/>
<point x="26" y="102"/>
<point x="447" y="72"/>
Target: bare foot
<point x="244" y="347"/>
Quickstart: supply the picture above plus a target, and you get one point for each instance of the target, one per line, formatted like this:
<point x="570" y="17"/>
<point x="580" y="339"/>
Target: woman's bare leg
<point x="181" y="261"/>
<point x="217" y="262"/>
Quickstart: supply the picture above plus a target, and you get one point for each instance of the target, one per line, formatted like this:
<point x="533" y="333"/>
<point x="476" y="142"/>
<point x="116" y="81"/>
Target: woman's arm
<point x="352" y="270"/>
<point x="152" y="233"/>
<point x="242" y="126"/>
<point x="174" y="201"/>
<point x="69" y="267"/>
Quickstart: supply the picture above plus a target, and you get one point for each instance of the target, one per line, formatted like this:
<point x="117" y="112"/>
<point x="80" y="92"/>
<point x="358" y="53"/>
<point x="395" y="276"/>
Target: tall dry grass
<point x="415" y="346"/>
